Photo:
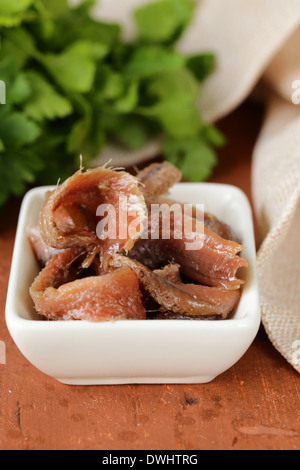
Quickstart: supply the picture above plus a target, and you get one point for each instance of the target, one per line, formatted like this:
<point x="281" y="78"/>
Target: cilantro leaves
<point x="164" y="20"/>
<point x="73" y="84"/>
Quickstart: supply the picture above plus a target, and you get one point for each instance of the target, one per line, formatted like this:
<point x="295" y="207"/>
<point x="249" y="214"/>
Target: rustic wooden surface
<point x="254" y="405"/>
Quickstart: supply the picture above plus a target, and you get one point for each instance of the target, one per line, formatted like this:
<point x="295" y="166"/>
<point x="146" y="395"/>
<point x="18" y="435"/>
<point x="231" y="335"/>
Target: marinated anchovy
<point x="42" y="251"/>
<point x="81" y="195"/>
<point x="210" y="221"/>
<point x="226" y="299"/>
<point x="170" y="296"/>
<point x="190" y="272"/>
<point x="157" y="179"/>
<point x="171" y="273"/>
<point x="214" y="264"/>
<point x="58" y="295"/>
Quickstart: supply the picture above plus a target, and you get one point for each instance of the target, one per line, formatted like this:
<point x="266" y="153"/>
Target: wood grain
<point x="254" y="405"/>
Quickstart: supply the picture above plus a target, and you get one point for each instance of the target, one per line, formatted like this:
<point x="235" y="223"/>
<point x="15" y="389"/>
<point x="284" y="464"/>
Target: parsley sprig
<point x="73" y="85"/>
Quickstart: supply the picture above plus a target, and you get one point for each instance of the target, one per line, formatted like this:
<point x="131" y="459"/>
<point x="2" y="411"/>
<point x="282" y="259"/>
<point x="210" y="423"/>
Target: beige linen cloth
<point x="255" y="41"/>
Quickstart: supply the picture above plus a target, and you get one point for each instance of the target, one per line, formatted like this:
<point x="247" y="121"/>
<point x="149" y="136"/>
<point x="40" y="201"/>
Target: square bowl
<point x="135" y="351"/>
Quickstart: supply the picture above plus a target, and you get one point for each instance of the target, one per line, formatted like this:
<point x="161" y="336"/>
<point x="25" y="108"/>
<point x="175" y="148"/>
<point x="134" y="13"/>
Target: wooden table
<point x="254" y="405"/>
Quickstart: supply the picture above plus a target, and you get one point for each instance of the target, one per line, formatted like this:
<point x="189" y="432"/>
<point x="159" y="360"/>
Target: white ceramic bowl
<point x="154" y="351"/>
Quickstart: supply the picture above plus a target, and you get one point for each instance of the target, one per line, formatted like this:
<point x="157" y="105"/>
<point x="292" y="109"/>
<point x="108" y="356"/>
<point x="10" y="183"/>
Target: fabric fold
<point x="276" y="191"/>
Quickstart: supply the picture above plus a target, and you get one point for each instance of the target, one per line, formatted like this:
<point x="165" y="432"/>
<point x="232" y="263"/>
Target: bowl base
<point x="136" y="380"/>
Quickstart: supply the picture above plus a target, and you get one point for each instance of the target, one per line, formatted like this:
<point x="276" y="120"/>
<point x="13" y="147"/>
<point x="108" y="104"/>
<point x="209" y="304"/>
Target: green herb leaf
<point x="70" y="70"/>
<point x="17" y="130"/>
<point x="11" y="21"/>
<point x="12" y="7"/>
<point x="129" y="131"/>
<point x="72" y="83"/>
<point x="149" y="61"/>
<point x="17" y="169"/>
<point x="161" y="21"/>
<point x="23" y="41"/>
<point x="109" y="85"/>
<point x="18" y="90"/>
<point x="76" y="141"/>
<point x="45" y="102"/>
<point x="179" y="82"/>
<point x="127" y="102"/>
<point x="12" y="60"/>
<point x="77" y="25"/>
<point x="55" y="7"/>
<point x="202" y="65"/>
<point x="212" y="135"/>
<point x="178" y="116"/>
<point x="86" y="48"/>
<point x="195" y="158"/>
